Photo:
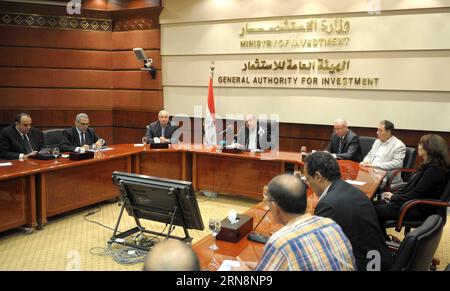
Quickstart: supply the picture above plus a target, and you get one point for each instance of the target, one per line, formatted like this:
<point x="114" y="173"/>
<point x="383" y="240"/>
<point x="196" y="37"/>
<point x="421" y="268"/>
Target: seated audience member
<point x="171" y="255"/>
<point x="387" y="152"/>
<point x="344" y="144"/>
<point x="80" y="135"/>
<point x="20" y="140"/>
<point x="251" y="136"/>
<point x="306" y="242"/>
<point x="427" y="183"/>
<point x="162" y="130"/>
<point x="349" y="207"/>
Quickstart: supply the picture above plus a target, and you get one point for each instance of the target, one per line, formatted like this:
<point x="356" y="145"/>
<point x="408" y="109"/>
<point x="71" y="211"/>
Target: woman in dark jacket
<point x="427" y="183"/>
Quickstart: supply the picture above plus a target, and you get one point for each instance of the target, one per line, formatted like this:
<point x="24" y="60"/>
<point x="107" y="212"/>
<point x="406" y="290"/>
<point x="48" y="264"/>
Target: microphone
<point x="258" y="237"/>
<point x="230" y="126"/>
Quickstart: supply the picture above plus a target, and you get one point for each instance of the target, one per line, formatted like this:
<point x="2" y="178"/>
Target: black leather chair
<point x="406" y="171"/>
<point x="441" y="209"/>
<point x="417" y="249"/>
<point x="53" y="137"/>
<point x="366" y="143"/>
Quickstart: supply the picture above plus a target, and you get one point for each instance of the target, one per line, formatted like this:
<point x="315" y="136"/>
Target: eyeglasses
<point x="83" y="124"/>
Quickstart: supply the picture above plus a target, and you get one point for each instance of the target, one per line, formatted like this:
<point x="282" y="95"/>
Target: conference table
<point x="366" y="179"/>
<point x="32" y="190"/>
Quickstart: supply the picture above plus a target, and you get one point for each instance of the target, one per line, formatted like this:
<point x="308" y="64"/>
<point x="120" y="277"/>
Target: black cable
<point x="97" y="210"/>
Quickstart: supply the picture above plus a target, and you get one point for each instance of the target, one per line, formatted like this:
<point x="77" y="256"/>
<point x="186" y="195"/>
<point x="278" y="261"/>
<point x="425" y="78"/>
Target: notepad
<point x="5" y="164"/>
<point x="354" y="182"/>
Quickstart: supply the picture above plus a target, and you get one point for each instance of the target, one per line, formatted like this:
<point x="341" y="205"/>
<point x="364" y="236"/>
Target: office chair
<point x="406" y="170"/>
<point x="53" y="137"/>
<point x="441" y="210"/>
<point x="417" y="249"/>
<point x="366" y="143"/>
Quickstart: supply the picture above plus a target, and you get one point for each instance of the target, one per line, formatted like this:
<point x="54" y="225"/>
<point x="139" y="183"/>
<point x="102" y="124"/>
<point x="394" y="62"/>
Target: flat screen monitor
<point x="155" y="198"/>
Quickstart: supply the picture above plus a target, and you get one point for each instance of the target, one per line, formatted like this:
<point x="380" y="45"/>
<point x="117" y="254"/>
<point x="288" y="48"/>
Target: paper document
<point x="65" y="156"/>
<point x="5" y="164"/>
<point x="106" y="149"/>
<point x="228" y="264"/>
<point x="138" y="144"/>
<point x="354" y="182"/>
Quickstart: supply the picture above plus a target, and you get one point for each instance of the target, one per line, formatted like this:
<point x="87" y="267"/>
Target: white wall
<point x="407" y="48"/>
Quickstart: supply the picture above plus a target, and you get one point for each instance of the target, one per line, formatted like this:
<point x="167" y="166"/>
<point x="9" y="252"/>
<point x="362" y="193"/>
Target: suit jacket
<point x="392" y="159"/>
<point x="428" y="183"/>
<point x="353" y="211"/>
<point x="12" y="144"/>
<point x="154" y="130"/>
<point x="351" y="149"/>
<point x="72" y="138"/>
<point x="261" y="143"/>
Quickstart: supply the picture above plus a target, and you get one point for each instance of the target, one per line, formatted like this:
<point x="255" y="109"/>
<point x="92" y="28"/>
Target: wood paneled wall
<point x="53" y="74"/>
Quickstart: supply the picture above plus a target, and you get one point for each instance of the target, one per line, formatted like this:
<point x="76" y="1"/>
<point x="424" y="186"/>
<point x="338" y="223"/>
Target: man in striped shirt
<point x="306" y="242"/>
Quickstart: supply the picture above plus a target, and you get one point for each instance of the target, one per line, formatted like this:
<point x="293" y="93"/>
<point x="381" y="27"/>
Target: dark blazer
<point x="351" y="149"/>
<point x="72" y="138"/>
<point x="154" y="130"/>
<point x="427" y="183"/>
<point x="353" y="211"/>
<point x="12" y="144"/>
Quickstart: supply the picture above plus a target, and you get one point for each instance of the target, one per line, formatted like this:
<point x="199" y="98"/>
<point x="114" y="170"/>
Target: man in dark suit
<point x="344" y="144"/>
<point x="20" y="140"/>
<point x="350" y="208"/>
<point x="80" y="135"/>
<point x="162" y="130"/>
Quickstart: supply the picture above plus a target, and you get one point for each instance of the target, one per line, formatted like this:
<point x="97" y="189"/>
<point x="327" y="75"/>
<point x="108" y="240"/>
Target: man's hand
<point x="163" y="139"/>
<point x="365" y="164"/>
<point x="30" y="154"/>
<point x="86" y="147"/>
<point x="386" y="196"/>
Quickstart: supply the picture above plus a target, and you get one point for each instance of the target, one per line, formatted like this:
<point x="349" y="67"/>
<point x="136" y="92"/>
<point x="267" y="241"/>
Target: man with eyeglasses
<point x="344" y="144"/>
<point x="387" y="152"/>
<point x="20" y="140"/>
<point x="305" y="242"/>
<point x="80" y="135"/>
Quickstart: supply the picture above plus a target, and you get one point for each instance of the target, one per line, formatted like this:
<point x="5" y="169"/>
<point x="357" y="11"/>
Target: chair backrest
<point x="410" y="157"/>
<point x="53" y="137"/>
<point x="366" y="143"/>
<point x="419" y="246"/>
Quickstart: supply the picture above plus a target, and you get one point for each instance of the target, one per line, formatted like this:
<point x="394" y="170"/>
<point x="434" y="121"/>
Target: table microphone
<point x="258" y="237"/>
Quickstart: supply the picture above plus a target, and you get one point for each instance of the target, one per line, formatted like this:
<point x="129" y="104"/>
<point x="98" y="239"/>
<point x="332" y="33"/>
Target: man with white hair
<point x="344" y="144"/>
<point x="162" y="130"/>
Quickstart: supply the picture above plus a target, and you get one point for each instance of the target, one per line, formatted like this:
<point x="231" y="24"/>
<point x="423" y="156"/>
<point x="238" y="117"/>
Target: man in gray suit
<point x="252" y="136"/>
<point x="387" y="153"/>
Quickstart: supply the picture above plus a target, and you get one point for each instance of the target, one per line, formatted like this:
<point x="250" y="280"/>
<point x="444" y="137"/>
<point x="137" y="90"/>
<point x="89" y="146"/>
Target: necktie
<point x="28" y="148"/>
<point x="82" y="139"/>
<point x="341" y="141"/>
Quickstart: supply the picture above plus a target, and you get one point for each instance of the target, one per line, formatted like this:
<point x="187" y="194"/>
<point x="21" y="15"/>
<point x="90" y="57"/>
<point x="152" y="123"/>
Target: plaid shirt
<point x="308" y="243"/>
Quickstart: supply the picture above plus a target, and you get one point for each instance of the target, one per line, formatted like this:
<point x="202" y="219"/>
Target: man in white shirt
<point x="252" y="136"/>
<point x="387" y="153"/>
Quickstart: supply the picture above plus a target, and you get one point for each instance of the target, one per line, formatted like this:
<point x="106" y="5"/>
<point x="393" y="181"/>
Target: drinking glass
<point x="214" y="228"/>
<point x="55" y="152"/>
